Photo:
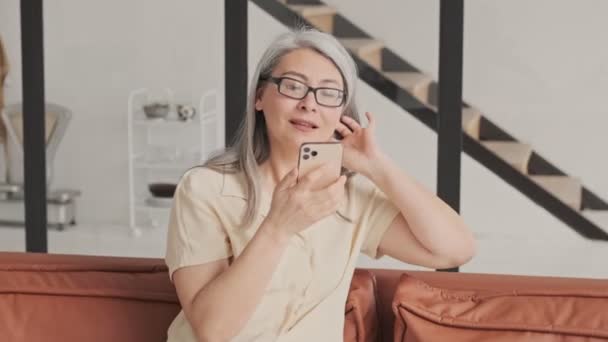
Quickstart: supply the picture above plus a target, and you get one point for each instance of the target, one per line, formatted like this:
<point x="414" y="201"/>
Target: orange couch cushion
<point x="361" y="319"/>
<point x="475" y="307"/>
<point x="45" y="297"/>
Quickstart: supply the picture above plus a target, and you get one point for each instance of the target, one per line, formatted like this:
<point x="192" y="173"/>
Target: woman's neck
<point x="276" y="167"/>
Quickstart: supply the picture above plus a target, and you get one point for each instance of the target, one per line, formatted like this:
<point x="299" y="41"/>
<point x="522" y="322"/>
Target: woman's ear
<point x="258" y="99"/>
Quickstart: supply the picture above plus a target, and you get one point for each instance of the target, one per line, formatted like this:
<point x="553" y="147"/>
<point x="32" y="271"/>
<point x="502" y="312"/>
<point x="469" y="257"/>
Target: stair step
<point x="599" y="217"/>
<point x="370" y="50"/>
<point x="312" y="10"/>
<point x="471" y="122"/>
<point x="320" y="16"/>
<point x="515" y="153"/>
<point x="414" y="82"/>
<point x="568" y="189"/>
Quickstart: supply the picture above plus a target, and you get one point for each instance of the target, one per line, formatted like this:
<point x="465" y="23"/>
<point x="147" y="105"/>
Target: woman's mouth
<point x="303" y="125"/>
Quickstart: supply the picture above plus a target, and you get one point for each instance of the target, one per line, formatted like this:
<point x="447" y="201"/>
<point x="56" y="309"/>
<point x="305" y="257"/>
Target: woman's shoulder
<point x="201" y="181"/>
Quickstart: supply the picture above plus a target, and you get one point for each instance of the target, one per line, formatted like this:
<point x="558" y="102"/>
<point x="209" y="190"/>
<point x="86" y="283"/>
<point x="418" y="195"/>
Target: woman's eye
<point x="293" y="86"/>
<point x="329" y="93"/>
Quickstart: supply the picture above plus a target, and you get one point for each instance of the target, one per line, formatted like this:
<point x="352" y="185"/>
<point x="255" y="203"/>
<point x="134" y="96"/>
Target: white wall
<point x="95" y="59"/>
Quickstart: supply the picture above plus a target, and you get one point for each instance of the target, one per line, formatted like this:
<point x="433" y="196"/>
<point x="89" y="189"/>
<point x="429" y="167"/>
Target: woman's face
<point x="290" y="121"/>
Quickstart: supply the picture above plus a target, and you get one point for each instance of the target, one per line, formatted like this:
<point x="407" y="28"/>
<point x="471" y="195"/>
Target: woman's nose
<point x="308" y="102"/>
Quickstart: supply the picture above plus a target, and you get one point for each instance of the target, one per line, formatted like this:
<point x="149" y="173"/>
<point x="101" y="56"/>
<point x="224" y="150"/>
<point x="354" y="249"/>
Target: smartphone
<point x="315" y="154"/>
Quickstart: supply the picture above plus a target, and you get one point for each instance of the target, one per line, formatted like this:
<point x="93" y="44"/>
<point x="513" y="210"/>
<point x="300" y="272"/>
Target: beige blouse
<point x="306" y="296"/>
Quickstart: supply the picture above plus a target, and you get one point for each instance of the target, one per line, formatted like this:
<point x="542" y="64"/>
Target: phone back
<point x="314" y="155"/>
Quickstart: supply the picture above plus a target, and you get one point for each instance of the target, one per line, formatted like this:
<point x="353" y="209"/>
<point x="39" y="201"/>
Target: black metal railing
<point x="34" y="144"/>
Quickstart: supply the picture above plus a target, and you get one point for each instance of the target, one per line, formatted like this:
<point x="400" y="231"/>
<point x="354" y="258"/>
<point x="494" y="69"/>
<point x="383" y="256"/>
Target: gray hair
<point x="251" y="146"/>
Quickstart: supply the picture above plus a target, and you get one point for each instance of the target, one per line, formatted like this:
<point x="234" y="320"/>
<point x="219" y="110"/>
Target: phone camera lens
<point x="306" y="156"/>
<point x="314" y="153"/>
<point x="306" y="149"/>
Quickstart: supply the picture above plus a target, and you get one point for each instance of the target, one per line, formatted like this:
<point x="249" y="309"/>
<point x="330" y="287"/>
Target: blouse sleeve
<point x="195" y="234"/>
<point x="377" y="215"/>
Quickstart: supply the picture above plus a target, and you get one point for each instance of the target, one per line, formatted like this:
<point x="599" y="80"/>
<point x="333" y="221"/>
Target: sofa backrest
<point x="51" y="297"/>
<point x="46" y="297"/>
<point x="437" y="306"/>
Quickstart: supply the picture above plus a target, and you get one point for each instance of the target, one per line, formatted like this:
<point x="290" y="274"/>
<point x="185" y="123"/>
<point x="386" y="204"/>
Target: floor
<point x="505" y="255"/>
<point x="92" y="240"/>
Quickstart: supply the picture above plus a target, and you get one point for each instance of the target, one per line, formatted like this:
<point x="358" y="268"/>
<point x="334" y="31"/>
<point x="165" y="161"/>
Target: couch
<point x="48" y="297"/>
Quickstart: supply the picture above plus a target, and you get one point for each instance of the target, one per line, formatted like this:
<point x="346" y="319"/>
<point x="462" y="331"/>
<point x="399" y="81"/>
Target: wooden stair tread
<point x="362" y="45"/>
<point x="313" y="10"/>
<point x="567" y="189"/>
<point x="414" y="82"/>
<point x="471" y="121"/>
<point x="599" y="217"/>
<point x="409" y="79"/>
<point x="515" y="153"/>
<point x="319" y="16"/>
<point x="417" y="83"/>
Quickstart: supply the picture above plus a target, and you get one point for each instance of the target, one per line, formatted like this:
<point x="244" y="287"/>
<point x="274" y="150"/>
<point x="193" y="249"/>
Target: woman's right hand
<point x="297" y="205"/>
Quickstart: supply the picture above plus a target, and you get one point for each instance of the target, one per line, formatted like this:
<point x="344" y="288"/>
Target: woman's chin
<point x="297" y="140"/>
<point x="303" y="140"/>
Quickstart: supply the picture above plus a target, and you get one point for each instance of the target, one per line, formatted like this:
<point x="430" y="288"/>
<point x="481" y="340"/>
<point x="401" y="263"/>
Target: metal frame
<point x="32" y="52"/>
<point x="235" y="52"/>
<point x="449" y="120"/>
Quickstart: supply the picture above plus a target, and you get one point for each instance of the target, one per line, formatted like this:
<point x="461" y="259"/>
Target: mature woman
<point x="257" y="253"/>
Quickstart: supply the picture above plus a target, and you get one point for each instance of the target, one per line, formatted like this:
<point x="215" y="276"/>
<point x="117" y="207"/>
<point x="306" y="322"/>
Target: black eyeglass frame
<point x="278" y="80"/>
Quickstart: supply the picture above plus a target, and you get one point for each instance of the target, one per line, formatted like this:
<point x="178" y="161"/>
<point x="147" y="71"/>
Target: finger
<point x="351" y="123"/>
<point x="343" y="129"/>
<point x="331" y="189"/>
<point x="310" y="178"/>
<point x="371" y="120"/>
<point x="288" y="180"/>
<point x="338" y="185"/>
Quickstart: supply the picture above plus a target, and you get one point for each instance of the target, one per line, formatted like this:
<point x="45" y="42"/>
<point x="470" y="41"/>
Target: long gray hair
<point x="251" y="145"/>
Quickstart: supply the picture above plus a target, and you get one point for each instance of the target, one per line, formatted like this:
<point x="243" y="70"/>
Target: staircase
<point x="514" y="161"/>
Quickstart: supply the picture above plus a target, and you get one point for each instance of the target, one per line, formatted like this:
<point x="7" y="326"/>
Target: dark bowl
<point x="156" y="110"/>
<point x="166" y="190"/>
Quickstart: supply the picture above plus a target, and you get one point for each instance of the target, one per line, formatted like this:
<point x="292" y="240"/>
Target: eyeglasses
<point x="327" y="97"/>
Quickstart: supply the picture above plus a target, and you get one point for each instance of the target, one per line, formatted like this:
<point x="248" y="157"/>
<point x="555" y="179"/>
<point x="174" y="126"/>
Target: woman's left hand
<point x="360" y="147"/>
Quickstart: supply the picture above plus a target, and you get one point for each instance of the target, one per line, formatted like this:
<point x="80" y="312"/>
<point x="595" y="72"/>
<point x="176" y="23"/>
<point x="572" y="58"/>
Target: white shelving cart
<point x="160" y="150"/>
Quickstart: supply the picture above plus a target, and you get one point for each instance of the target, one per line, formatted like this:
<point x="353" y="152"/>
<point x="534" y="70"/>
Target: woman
<point x="258" y="255"/>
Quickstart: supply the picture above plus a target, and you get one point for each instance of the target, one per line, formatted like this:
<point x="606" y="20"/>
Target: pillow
<point x="360" y="316"/>
<point x="469" y="307"/>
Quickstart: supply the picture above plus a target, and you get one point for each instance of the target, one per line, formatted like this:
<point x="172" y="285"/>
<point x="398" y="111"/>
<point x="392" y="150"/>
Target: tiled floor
<point x="572" y="257"/>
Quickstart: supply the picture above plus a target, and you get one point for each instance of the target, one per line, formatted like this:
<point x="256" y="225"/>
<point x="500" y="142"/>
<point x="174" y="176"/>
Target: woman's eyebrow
<point x="302" y="76"/>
